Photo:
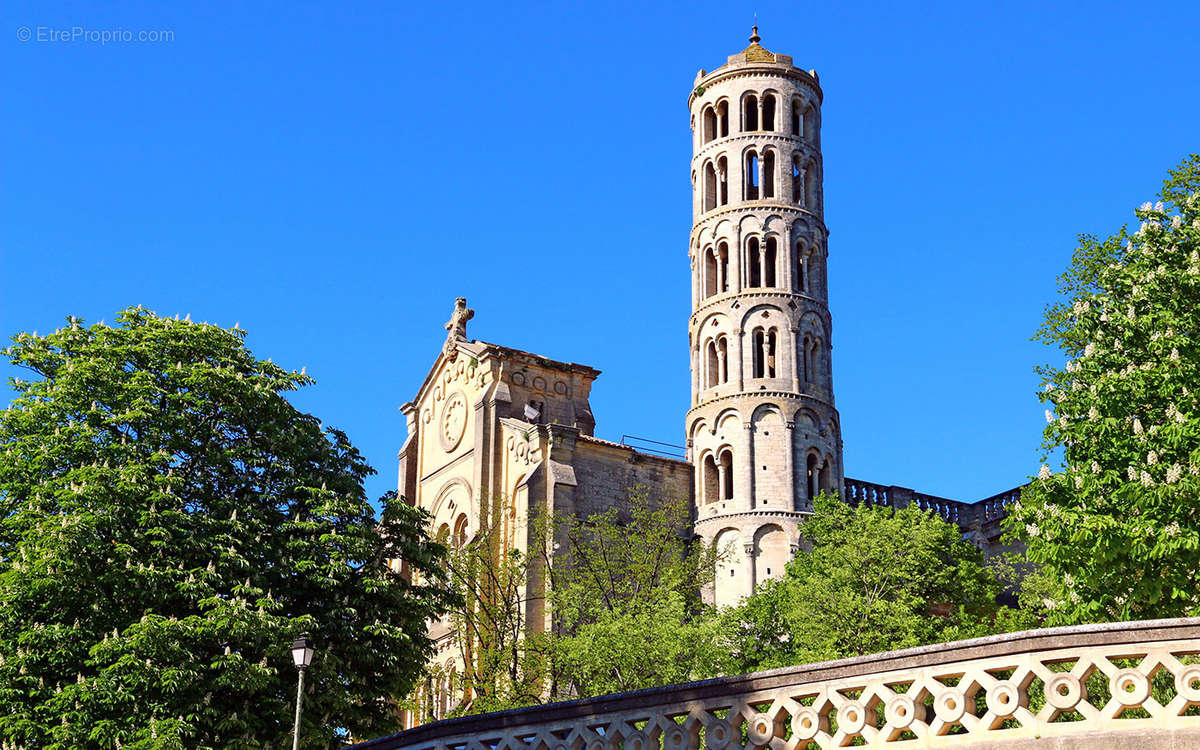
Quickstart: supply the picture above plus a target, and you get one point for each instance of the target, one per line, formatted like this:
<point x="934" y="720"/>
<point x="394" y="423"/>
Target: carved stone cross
<point x="457" y="327"/>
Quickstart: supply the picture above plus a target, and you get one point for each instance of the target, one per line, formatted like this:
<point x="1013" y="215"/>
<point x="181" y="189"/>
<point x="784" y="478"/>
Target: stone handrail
<point x="1131" y="684"/>
<point x="984" y="511"/>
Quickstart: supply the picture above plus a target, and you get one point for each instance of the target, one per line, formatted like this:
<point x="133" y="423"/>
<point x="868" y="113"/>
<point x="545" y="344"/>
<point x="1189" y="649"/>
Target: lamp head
<point x="302" y="651"/>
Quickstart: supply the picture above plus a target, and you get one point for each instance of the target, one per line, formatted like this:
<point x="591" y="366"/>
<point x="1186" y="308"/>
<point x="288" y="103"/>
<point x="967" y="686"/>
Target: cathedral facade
<point x="497" y="435"/>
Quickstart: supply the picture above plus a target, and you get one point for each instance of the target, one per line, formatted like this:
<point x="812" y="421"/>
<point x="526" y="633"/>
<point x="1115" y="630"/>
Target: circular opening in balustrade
<point x="1003" y="698"/>
<point x="1195" y="683"/>
<point x="851" y="716"/>
<point x="806" y="723"/>
<point x="901" y="711"/>
<point x="1063" y="689"/>
<point x="951" y="704"/>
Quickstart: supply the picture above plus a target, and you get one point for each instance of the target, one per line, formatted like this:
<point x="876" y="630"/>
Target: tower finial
<point x="754" y="37"/>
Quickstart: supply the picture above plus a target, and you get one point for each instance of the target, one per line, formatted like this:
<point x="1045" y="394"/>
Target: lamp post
<point x="302" y="654"/>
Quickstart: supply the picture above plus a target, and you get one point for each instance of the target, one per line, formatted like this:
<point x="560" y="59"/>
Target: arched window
<point x="712" y="487"/>
<point x="812" y="478"/>
<point x="825" y="478"/>
<point x="759" y="360"/>
<point x="712" y="368"/>
<point x="722" y="266"/>
<point x="768" y="112"/>
<point x="801" y="267"/>
<point x="723" y="178"/>
<point x="768" y="181"/>
<point x="750" y="113"/>
<point x="768" y="262"/>
<point x="711" y="275"/>
<point x="751" y="171"/>
<point x="723" y="118"/>
<point x="754" y="261"/>
<point x="814" y="361"/>
<point x="726" y="472"/>
<point x="769" y="353"/>
<point x="797" y="180"/>
<point x="710" y="187"/>
<point x="460" y="531"/>
<point x="723" y="360"/>
<point x="797" y="119"/>
<point x="710" y="124"/>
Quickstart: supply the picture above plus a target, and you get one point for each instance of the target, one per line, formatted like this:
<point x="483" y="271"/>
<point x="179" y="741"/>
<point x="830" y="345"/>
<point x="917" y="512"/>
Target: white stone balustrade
<point x="1122" y="685"/>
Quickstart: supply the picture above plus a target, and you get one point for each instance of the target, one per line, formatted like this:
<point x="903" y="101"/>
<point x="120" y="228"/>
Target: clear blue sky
<point x="332" y="176"/>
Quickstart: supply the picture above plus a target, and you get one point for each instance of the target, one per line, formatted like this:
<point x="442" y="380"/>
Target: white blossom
<point x="1172" y="529"/>
<point x="1095" y="468"/>
<point x="1174" y="355"/>
<point x="1158" y="206"/>
<point x="1093" y="414"/>
<point x="1049" y="417"/>
<point x="1174" y="473"/>
<point x="1044" y="472"/>
<point x="1145" y="206"/>
<point x="1147" y="480"/>
<point x="1089" y="350"/>
<point x="1137" y="426"/>
<point x="1131" y="473"/>
<point x="1151" y="458"/>
<point x="1032" y="529"/>
<point x="1177" y="222"/>
<point x="1078" y="481"/>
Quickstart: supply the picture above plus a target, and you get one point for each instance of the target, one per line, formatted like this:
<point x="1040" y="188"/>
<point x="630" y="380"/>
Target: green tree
<point x="170" y="523"/>
<point x="1116" y="529"/>
<point x="502" y="667"/>
<point x="869" y="579"/>
<point x="626" y="600"/>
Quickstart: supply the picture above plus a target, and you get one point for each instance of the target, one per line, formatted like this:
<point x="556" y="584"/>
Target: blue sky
<point x="331" y="177"/>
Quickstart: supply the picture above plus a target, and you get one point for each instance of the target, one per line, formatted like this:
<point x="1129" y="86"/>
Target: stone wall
<point x="1131" y="685"/>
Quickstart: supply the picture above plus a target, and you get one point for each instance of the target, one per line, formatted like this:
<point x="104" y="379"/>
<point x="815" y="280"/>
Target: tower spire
<point x="754" y="37"/>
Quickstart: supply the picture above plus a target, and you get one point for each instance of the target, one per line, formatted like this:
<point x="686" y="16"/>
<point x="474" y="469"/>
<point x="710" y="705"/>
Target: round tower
<point x="762" y="431"/>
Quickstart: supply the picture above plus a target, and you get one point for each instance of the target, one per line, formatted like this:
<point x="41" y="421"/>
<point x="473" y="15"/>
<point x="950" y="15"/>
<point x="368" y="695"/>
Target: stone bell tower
<point x="762" y="432"/>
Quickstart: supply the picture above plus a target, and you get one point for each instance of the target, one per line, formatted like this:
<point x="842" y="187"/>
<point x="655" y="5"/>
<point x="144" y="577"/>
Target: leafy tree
<point x="1116" y="529"/>
<point x="626" y="600"/>
<point x="169" y="524"/>
<point x="624" y="606"/>
<point x="502" y="667"/>
<point x="870" y="579"/>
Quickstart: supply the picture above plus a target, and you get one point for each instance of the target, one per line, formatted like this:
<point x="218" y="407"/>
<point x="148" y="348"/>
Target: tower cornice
<point x="734" y="71"/>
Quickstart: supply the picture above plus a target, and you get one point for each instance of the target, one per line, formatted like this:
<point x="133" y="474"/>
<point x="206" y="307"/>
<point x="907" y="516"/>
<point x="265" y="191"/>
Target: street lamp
<point x="302" y="654"/>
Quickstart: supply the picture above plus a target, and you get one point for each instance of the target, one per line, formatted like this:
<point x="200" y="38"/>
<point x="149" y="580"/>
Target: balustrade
<point x="1102" y="685"/>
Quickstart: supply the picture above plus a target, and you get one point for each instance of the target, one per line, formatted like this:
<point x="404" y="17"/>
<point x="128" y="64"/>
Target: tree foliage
<point x="868" y="579"/>
<point x="502" y="668"/>
<point x="626" y="600"/>
<point x="170" y="522"/>
<point x="1116" y="529"/>
<point x="624" y="603"/>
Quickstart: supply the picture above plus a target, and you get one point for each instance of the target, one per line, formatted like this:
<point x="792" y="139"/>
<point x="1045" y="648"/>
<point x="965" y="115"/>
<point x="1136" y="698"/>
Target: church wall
<point x="606" y="473"/>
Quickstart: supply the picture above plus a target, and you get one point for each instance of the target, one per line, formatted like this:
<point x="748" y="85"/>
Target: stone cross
<point x="457" y="327"/>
